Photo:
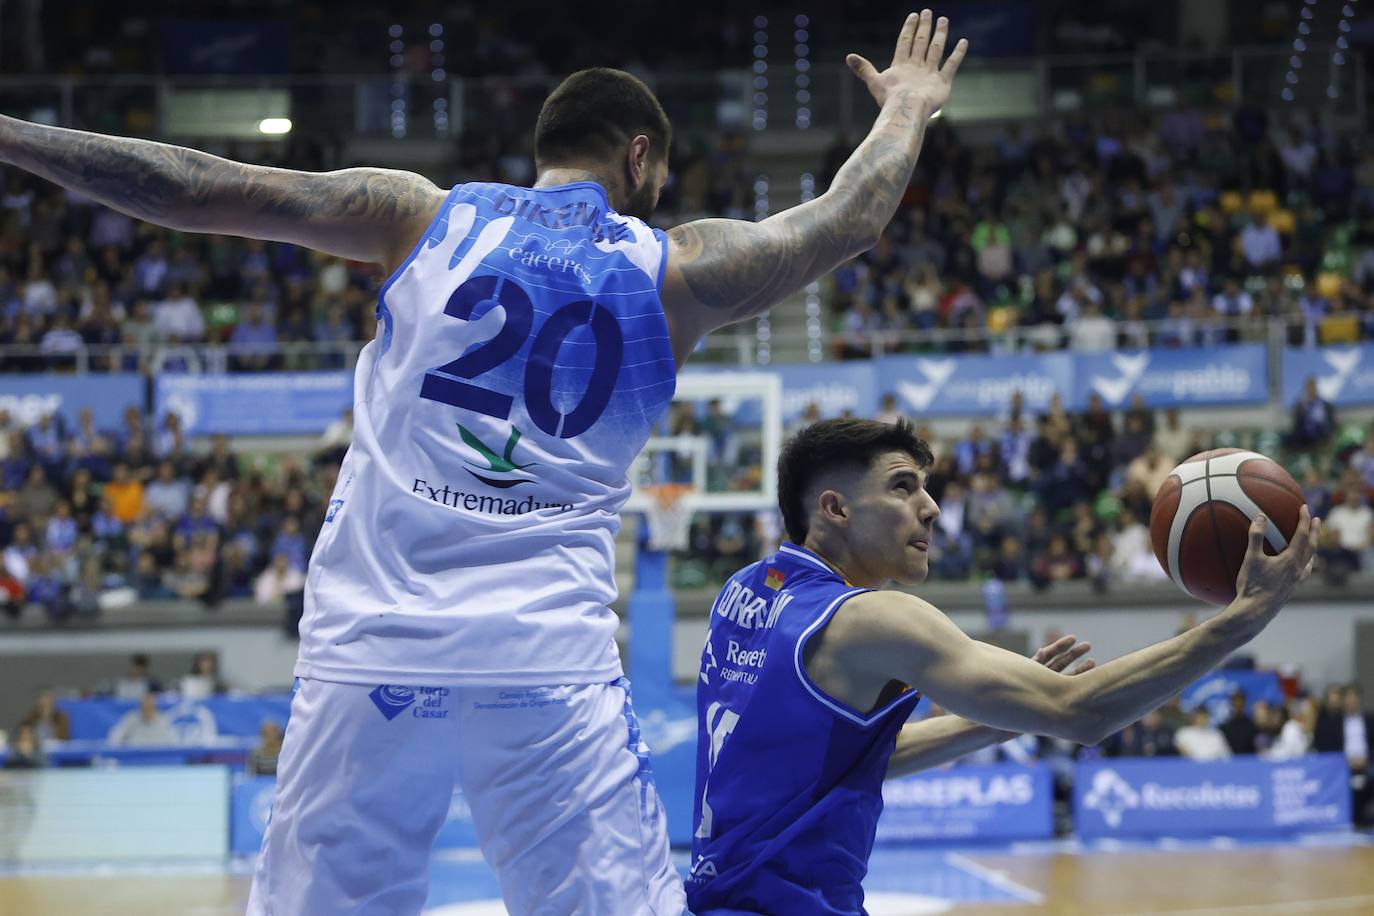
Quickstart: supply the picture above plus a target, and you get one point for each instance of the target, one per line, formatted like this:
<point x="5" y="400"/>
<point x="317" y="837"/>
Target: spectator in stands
<point x="1239" y="729"/>
<point x="203" y="680"/>
<point x="1260" y="245"/>
<point x="253" y="341"/>
<point x="168" y="495"/>
<point x="38" y="498"/>
<point x="1362" y="460"/>
<point x="1343" y="727"/>
<point x="178" y="318"/>
<point x="60" y="537"/>
<point x="26" y="751"/>
<point x="970" y="450"/>
<point x="1092" y="331"/>
<point x="1295" y="735"/>
<point x="48" y="721"/>
<point x="1313" y="418"/>
<point x="19" y="556"/>
<point x="263" y="762"/>
<point x="1149" y="737"/>
<point x="278" y="580"/>
<point x="1358" y="737"/>
<point x="144" y="726"/>
<point x="1200" y="740"/>
<point x="951" y="545"/>
<point x="137" y="681"/>
<point x="889" y="412"/>
<point x="1172" y="439"/>
<point x="1056" y="563"/>
<point x="1348" y="535"/>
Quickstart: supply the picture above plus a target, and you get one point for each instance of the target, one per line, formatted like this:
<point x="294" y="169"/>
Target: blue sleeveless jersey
<point x="789" y="781"/>
<point x="521" y="360"/>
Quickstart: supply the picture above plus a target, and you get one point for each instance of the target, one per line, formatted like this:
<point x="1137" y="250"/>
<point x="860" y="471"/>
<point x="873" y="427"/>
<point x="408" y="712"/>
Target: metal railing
<point x="361" y="105"/>
<point x="736" y="347"/>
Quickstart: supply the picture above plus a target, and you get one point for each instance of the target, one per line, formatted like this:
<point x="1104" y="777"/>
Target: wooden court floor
<point x="1230" y="882"/>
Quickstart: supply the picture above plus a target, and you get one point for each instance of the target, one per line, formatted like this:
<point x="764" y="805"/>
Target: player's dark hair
<point x="831" y="445"/>
<point x="594" y="113"/>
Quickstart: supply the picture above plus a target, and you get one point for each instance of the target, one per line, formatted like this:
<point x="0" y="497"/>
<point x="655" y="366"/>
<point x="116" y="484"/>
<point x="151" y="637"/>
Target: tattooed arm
<point x="721" y="271"/>
<point x="366" y="214"/>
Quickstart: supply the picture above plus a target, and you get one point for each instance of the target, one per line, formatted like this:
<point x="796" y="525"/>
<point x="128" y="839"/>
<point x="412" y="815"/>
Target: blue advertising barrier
<point x="256" y="404"/>
<point x="1168" y="796"/>
<point x="1190" y="377"/>
<point x="833" y="387"/>
<point x="969" y="803"/>
<point x="934" y="386"/>
<point x="1215" y="689"/>
<point x="251" y="803"/>
<point x="1345" y="375"/>
<point x="29" y="397"/>
<point x="193" y="720"/>
<point x="983" y="385"/>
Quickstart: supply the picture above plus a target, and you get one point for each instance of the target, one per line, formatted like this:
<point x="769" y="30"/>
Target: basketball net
<point x="669" y="515"/>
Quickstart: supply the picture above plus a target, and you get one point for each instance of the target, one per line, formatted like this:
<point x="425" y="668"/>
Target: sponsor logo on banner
<point x="1172" y="797"/>
<point x="1344" y="375"/>
<point x="1343" y="364"/>
<point x="1131" y="368"/>
<point x="29" y="398"/>
<point x="936" y="373"/>
<point x="973" y="385"/>
<point x="1111" y="796"/>
<point x="1004" y="801"/>
<point x="1166" y="378"/>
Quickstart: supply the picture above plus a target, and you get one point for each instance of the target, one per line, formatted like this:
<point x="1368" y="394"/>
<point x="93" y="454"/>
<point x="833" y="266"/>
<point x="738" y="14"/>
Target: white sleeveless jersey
<point x="521" y="359"/>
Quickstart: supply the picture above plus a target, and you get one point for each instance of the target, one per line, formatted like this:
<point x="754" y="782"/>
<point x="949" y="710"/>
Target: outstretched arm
<point x="938" y="740"/>
<point x="886" y="635"/>
<point x="365" y="214"/>
<point x="721" y="271"/>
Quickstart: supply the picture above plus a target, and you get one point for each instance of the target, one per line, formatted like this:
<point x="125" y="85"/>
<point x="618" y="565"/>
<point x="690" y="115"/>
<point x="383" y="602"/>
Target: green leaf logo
<point x="496" y="464"/>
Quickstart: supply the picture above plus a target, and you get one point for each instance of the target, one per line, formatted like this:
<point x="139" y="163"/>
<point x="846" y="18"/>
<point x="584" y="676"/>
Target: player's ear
<point x="834" y="507"/>
<point x="637" y="160"/>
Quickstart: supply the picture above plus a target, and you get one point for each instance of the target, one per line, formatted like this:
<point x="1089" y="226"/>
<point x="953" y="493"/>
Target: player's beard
<point x="641" y="202"/>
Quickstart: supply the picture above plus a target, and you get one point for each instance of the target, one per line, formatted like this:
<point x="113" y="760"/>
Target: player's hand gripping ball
<point x="1200" y="522"/>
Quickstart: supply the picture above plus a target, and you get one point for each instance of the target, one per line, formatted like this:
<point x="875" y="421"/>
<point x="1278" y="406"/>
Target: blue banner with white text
<point x="982" y="385"/>
<point x="1344" y="375"/>
<point x="998" y="802"/>
<point x="192" y="720"/>
<point x="28" y="398"/>
<point x="934" y="386"/>
<point x="1190" y="377"/>
<point x="1172" y="797"/>
<point x="255" y="404"/>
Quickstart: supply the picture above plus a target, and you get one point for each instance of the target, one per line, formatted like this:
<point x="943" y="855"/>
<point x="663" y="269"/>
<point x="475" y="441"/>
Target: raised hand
<point x="1268" y="582"/>
<point x="1063" y="652"/>
<point x="916" y="72"/>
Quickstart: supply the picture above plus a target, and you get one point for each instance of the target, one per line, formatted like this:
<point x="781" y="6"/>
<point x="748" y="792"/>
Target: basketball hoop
<point x="669" y="515"/>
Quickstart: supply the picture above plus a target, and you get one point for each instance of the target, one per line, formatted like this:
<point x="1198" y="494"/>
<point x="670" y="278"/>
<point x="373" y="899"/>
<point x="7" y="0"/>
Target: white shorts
<point x="558" y="780"/>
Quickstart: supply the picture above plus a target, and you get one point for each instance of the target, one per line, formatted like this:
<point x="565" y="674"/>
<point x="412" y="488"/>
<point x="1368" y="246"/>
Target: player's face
<point x="894" y="519"/>
<point x="644" y="199"/>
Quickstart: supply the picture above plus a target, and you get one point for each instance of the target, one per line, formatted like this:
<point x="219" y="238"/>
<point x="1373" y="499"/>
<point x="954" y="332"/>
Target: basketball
<point x="1199" y="525"/>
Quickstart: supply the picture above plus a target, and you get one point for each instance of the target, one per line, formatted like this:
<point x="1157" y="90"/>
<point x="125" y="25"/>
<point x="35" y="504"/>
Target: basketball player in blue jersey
<point x="457" y="628"/>
<point x="810" y="671"/>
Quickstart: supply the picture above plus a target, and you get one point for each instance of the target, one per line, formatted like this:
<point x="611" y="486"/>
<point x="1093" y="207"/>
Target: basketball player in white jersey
<point x="457" y="629"/>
